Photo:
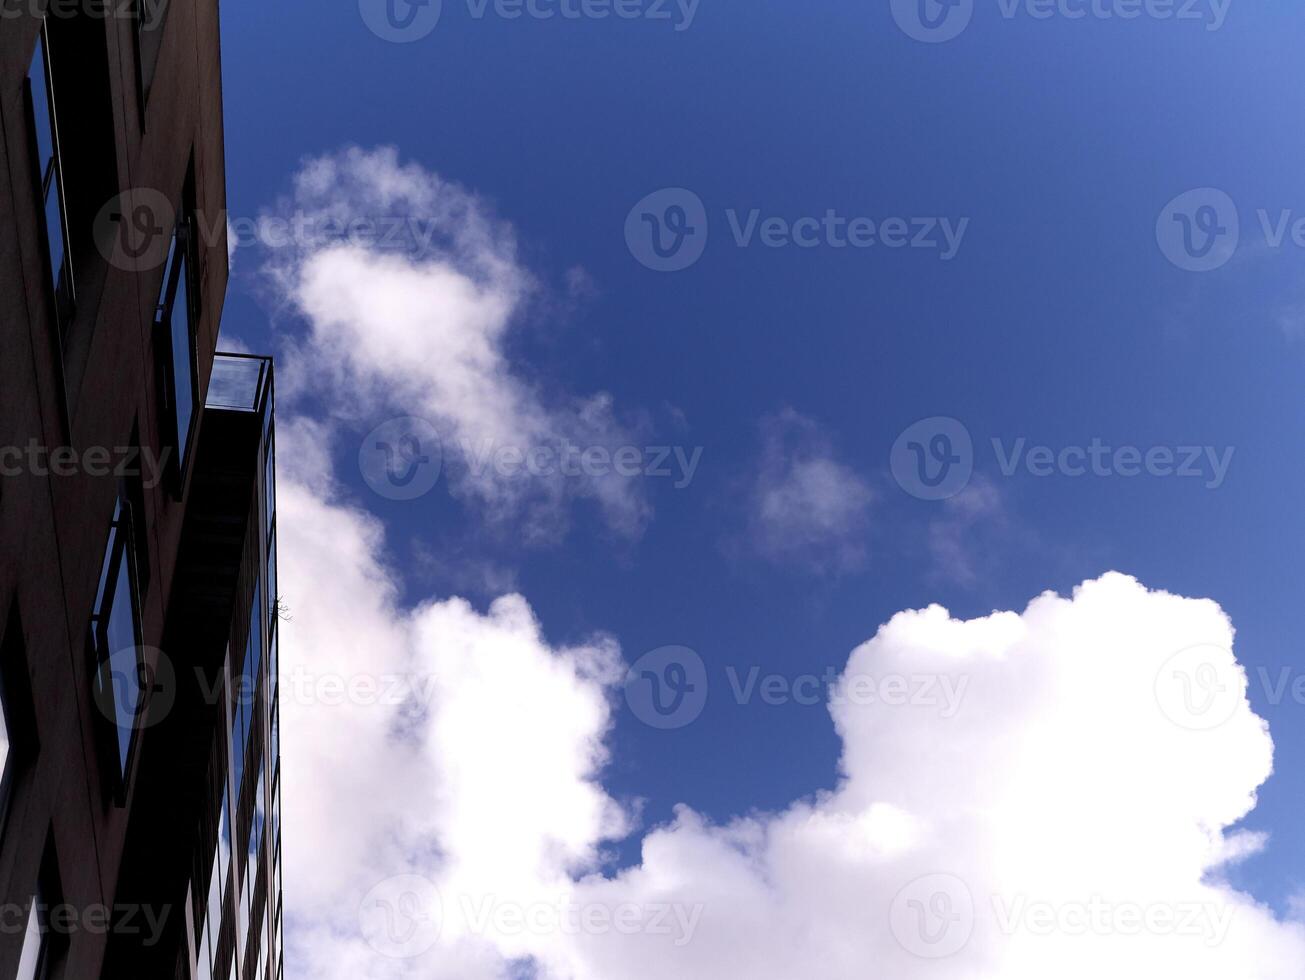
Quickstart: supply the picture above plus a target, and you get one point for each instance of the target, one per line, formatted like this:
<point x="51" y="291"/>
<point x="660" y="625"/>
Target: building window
<point x="269" y="483"/>
<point x="33" y="962"/>
<point x="247" y="688"/>
<point x="174" y="322"/>
<point x="273" y="668"/>
<point x="208" y="945"/>
<point x="49" y="164"/>
<point x="150" y="17"/>
<point x="271" y="581"/>
<point x="4" y="748"/>
<point x="116" y="636"/>
<point x="17" y="724"/>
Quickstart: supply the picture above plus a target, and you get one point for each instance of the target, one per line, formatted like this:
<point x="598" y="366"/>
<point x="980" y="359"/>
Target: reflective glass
<point x="183" y="357"/>
<point x="43" y="112"/>
<point x="4" y="741"/>
<point x="29" y="961"/>
<point x="235" y="383"/>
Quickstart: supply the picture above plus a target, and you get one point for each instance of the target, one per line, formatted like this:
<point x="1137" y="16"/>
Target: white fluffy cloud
<point x="410" y="289"/>
<point x="1079" y="784"/>
<point x="444" y="809"/>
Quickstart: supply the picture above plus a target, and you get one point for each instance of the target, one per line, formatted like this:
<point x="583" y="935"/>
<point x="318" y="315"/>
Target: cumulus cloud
<point x="410" y="289"/>
<point x="805" y="507"/>
<point x="1072" y="818"/>
<point x="446" y="817"/>
<point x="435" y="740"/>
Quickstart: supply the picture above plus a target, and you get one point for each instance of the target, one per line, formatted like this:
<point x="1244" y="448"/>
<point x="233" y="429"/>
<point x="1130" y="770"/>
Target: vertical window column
<point x="116" y="638"/>
<point x="174" y="323"/>
<point x="49" y="163"/>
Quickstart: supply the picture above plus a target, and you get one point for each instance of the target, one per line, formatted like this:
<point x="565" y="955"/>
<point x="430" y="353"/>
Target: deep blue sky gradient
<point x="1059" y="321"/>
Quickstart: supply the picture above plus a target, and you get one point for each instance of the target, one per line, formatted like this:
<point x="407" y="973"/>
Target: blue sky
<point x="1060" y="319"/>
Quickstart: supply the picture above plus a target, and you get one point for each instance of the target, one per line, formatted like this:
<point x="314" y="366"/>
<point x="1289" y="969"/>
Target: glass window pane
<point x="41" y="105"/>
<point x="260" y="817"/>
<point x="224" y="838"/>
<point x="124" y="668"/>
<point x="47" y="150"/>
<point x="29" y="962"/>
<point x="269" y="485"/>
<point x="235" y="383"/>
<point x="276" y="734"/>
<point x="54" y="232"/>
<point x="161" y="306"/>
<point x="238" y="736"/>
<point x="276" y="806"/>
<point x="116" y="624"/>
<point x="183" y="359"/>
<point x="4" y="742"/>
<point x="274" y="672"/>
<point x="255" y="661"/>
<point x="271" y="581"/>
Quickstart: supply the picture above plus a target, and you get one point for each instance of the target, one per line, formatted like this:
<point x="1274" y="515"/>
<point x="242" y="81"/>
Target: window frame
<point x="41" y="968"/>
<point x="63" y="307"/>
<point x="148" y="45"/>
<point x="119" y="559"/>
<point x="7" y="764"/>
<point x="19" y="712"/>
<point x="181" y="264"/>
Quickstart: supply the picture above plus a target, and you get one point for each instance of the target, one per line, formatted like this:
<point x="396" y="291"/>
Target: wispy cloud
<point x="805" y="508"/>
<point x="960" y="537"/>
<point x="410" y="289"/>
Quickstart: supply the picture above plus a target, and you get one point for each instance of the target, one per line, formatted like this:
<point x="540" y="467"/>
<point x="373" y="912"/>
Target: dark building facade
<point x="139" y="749"/>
